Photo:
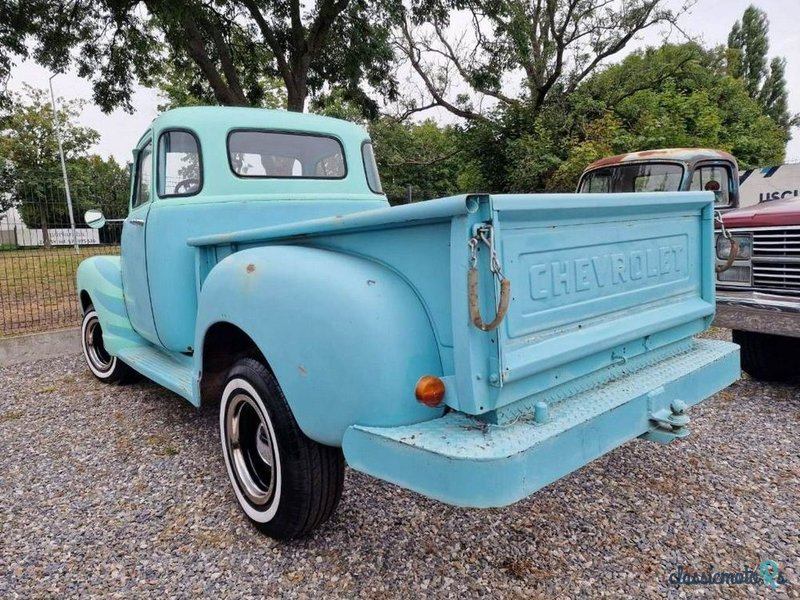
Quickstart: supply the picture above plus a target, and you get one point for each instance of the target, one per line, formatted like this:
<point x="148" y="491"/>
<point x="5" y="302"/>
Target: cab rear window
<point x="282" y="155"/>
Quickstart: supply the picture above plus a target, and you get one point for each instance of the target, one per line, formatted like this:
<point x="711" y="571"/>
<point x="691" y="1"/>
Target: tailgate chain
<point x="485" y="234"/>
<point x="734" y="253"/>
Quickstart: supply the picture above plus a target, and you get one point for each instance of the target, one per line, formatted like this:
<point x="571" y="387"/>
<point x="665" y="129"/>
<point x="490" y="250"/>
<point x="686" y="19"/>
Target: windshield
<point x="649" y="177"/>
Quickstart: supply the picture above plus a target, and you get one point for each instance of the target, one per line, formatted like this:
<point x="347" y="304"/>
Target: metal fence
<point x="38" y="259"/>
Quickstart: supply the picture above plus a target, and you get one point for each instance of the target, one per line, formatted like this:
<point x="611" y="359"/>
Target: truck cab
<point x="666" y="170"/>
<point x="472" y="348"/>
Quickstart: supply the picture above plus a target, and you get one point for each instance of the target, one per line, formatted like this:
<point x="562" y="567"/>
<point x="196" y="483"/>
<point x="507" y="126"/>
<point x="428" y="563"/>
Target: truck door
<point x="134" y="261"/>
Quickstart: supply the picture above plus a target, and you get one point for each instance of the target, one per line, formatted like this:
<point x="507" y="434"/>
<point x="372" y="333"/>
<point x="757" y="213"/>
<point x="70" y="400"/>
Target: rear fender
<point x="347" y="338"/>
<point x="100" y="277"/>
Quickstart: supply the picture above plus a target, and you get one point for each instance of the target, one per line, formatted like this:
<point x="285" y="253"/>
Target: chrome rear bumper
<point x="758" y="311"/>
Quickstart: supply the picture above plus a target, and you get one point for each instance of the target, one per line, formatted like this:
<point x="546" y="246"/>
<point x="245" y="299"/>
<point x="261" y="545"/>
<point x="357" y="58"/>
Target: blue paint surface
<point x="352" y="301"/>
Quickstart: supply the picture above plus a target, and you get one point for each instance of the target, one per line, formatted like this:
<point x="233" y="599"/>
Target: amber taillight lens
<point x="430" y="391"/>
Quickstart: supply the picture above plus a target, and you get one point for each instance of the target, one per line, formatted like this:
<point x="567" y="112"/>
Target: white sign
<point x="770" y="183"/>
<point x="58" y="237"/>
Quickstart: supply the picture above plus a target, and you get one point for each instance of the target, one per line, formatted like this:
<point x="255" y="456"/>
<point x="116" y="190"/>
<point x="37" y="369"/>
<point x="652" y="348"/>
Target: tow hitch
<point x="671" y="423"/>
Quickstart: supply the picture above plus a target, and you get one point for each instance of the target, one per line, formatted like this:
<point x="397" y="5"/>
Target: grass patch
<point x="37" y="288"/>
<point x="11" y="415"/>
<point x="161" y="445"/>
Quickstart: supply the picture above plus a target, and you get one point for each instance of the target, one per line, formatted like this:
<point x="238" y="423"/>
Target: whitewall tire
<point x="286" y="483"/>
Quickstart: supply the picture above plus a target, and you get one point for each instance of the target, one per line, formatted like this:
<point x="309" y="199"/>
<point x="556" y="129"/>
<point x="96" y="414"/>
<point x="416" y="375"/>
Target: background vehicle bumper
<point x="464" y="461"/>
<point x="757" y="311"/>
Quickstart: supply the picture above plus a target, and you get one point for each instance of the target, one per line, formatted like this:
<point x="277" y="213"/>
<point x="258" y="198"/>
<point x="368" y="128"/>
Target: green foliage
<point x="554" y="45"/>
<point x="336" y="104"/>
<point x="748" y="46"/>
<point x="423" y="156"/>
<point x="29" y="137"/>
<point x="774" y="96"/>
<point x="30" y="173"/>
<point x="673" y="96"/>
<point x="99" y="183"/>
<point x="749" y="38"/>
<point x="231" y="52"/>
<point x="181" y="84"/>
<point x="17" y="21"/>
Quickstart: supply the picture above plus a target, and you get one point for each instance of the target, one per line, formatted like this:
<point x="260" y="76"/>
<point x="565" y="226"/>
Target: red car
<point x="758" y="297"/>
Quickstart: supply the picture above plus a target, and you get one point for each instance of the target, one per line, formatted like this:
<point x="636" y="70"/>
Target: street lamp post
<point x="64" y="167"/>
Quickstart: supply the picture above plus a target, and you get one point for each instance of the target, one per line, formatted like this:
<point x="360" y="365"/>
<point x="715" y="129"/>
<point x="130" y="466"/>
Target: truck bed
<point x="597" y="280"/>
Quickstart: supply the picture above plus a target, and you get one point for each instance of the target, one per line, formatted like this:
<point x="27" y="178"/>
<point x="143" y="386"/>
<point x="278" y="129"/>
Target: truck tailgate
<point x="597" y="281"/>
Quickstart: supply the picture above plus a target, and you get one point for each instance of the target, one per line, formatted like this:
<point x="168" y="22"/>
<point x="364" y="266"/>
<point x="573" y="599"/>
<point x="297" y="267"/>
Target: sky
<point x="708" y="21"/>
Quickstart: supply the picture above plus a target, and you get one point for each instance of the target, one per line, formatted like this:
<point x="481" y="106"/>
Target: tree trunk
<point x="44" y="225"/>
<point x="296" y="94"/>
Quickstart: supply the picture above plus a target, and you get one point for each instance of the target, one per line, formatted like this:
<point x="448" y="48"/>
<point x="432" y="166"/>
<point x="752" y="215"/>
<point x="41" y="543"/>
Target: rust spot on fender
<point x="251" y="267"/>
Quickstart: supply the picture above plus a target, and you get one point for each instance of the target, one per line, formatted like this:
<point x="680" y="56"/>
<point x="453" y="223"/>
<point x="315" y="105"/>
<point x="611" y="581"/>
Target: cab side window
<point x="144" y="176"/>
<point x="179" y="164"/>
<point x="713" y="178"/>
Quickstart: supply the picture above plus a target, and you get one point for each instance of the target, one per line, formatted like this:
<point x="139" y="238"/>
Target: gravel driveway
<point x="121" y="492"/>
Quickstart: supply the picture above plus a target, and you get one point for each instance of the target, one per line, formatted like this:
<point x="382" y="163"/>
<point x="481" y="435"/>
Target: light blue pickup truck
<point x="473" y="348"/>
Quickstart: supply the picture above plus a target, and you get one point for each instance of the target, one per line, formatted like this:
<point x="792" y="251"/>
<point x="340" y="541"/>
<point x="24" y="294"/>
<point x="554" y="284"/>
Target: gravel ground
<point x="121" y="492"/>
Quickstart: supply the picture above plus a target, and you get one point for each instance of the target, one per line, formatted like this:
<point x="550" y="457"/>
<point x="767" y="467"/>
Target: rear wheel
<point x="767" y="357"/>
<point x="286" y="483"/>
<point x="104" y="366"/>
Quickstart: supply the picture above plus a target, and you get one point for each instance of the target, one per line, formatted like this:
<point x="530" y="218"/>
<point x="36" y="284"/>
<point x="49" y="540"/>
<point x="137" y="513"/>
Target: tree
<point x="17" y="21"/>
<point x="424" y="159"/>
<point x="233" y="47"/>
<point x="673" y="96"/>
<point x="182" y="84"/>
<point x="748" y="38"/>
<point x="7" y="184"/>
<point x="99" y="183"/>
<point x="748" y="47"/>
<point x="555" y="44"/>
<point x="29" y="144"/>
<point x="774" y="97"/>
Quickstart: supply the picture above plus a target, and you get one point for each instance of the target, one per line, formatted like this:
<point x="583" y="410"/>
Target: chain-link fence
<point x="38" y="258"/>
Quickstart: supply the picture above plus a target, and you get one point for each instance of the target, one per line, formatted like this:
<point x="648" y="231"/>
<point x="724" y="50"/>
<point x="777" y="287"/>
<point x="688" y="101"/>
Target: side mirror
<point x="94" y="218"/>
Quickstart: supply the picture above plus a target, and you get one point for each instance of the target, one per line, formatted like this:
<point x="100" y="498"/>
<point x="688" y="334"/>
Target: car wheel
<point x="767" y="357"/>
<point x="104" y="366"/>
<point x="286" y="483"/>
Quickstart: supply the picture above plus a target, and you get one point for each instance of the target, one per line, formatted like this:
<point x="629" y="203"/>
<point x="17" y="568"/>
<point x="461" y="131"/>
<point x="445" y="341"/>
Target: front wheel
<point x="767" y="357"/>
<point x="286" y="483"/>
<point x="104" y="366"/>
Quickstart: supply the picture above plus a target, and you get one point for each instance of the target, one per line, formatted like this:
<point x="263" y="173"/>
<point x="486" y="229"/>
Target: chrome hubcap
<point x="95" y="350"/>
<point x="251" y="449"/>
<point x="264" y="445"/>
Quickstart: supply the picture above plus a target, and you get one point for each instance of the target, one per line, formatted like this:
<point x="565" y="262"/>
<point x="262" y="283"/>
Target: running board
<point x="173" y="371"/>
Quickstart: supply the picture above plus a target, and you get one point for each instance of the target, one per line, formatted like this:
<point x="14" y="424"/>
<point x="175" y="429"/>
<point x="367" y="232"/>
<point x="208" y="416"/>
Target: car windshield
<point x="650" y="177"/>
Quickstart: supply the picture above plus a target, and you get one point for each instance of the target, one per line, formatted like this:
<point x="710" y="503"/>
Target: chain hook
<point x="485" y="234"/>
<point x="734" y="251"/>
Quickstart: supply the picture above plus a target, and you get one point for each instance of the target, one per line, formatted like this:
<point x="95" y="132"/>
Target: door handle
<point x="139" y="222"/>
